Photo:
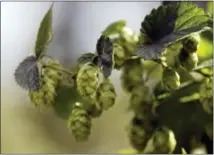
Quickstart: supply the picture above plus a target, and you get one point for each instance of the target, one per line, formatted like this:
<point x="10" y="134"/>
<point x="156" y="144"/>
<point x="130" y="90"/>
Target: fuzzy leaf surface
<point x="27" y="74"/>
<point x="171" y="23"/>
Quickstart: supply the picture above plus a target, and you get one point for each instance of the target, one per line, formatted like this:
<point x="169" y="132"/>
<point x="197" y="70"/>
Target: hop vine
<point x="166" y="112"/>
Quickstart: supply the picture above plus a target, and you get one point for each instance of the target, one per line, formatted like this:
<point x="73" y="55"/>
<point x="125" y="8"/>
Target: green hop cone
<point x="51" y="79"/>
<point x="142" y="102"/>
<point x="132" y="74"/>
<point x="171" y="79"/>
<point x="36" y="97"/>
<point x="206" y="95"/>
<point x="162" y="142"/>
<point x="139" y="133"/>
<point x="80" y="123"/>
<point x="119" y="56"/>
<point x="191" y="43"/>
<point x="87" y="80"/>
<point x="129" y="40"/>
<point x="106" y="94"/>
<point x="93" y="107"/>
<point x="189" y="61"/>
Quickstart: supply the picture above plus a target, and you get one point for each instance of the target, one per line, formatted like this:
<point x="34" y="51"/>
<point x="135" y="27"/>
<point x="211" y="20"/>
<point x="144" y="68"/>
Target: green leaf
<point x="114" y="28"/>
<point x="27" y="74"/>
<point x="167" y="24"/>
<point x="87" y="57"/>
<point x="64" y="100"/>
<point x="44" y="35"/>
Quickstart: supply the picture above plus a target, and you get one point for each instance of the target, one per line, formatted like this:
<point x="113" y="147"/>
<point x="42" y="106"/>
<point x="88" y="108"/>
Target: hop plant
<point x="87" y="80"/>
<point x="80" y="122"/>
<point x="171" y="79"/>
<point x="106" y="94"/>
<point x="206" y="95"/>
<point x="142" y="101"/>
<point x="162" y="141"/>
<point x="132" y="74"/>
<point x="169" y="36"/>
<point x="139" y="133"/>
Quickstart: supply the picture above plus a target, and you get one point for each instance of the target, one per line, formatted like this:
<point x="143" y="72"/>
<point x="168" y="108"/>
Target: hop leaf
<point x="105" y="54"/>
<point x="168" y="24"/>
<point x="44" y="35"/>
<point x="88" y="57"/>
<point x="114" y="28"/>
<point x="64" y="101"/>
<point x="27" y="74"/>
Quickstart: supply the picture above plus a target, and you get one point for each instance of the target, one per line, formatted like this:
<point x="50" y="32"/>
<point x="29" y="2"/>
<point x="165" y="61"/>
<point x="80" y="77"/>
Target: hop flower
<point x="187" y="60"/>
<point x="132" y="74"/>
<point x="141" y="101"/>
<point x="171" y="79"/>
<point x="106" y="94"/>
<point x="49" y="82"/>
<point x="80" y="123"/>
<point x="87" y="80"/>
<point x="191" y="43"/>
<point x="119" y="56"/>
<point x="206" y="95"/>
<point x="162" y="141"/>
<point x="139" y="134"/>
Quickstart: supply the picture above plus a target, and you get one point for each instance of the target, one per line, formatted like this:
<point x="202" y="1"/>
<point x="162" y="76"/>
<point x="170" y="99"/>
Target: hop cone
<point x="187" y="60"/>
<point x="171" y="79"/>
<point x="106" y="94"/>
<point x="87" y="80"/>
<point x="119" y="56"/>
<point x="139" y="134"/>
<point x="80" y="123"/>
<point x="206" y="95"/>
<point x="191" y="43"/>
<point x="162" y="142"/>
<point x="49" y="83"/>
<point x="141" y="101"/>
<point x="132" y="74"/>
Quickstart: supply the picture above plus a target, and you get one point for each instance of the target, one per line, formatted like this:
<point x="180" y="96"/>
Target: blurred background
<point x="76" y="28"/>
